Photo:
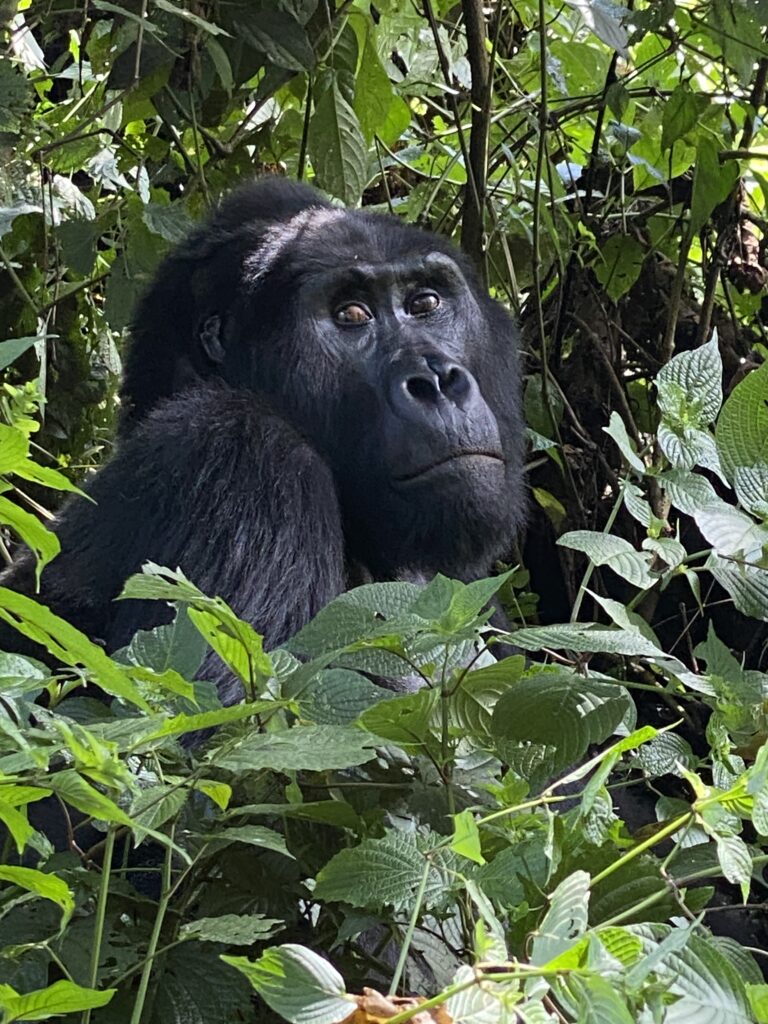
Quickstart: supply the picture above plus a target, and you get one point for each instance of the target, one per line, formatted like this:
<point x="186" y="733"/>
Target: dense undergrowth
<point x="575" y="832"/>
<point x="465" y="842"/>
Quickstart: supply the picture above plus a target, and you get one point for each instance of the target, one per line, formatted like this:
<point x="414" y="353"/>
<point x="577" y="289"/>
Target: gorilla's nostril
<point x="421" y="389"/>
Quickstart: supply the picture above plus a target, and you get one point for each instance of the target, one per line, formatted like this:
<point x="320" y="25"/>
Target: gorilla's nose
<point x="436" y="385"/>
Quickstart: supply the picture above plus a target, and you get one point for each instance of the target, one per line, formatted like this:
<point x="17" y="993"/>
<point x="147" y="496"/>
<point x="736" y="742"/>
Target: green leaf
<point x="690" y="386"/>
<point x="43" y="544"/>
<point x="297" y="984"/>
<point x="338" y="696"/>
<point x="708" y="987"/>
<point x="376" y="873"/>
<point x="251" y="835"/>
<point x="276" y="33"/>
<point x="193" y="19"/>
<point x="67" y="644"/>
<point x="377" y="107"/>
<point x="74" y="790"/>
<point x="47" y="887"/>
<point x="742" y="427"/>
<point x="613" y="552"/>
<point x="17" y="823"/>
<point x="733" y="534"/>
<point x="154" y="806"/>
<point x="618" y="431"/>
<point x="606" y="19"/>
<point x="9" y="352"/>
<point x="466" y="837"/>
<point x="585" y="636"/>
<point x="713" y="182"/>
<point x="547" y="720"/>
<point x="565" y="921"/>
<point x="622" y="261"/>
<point x="232" y="929"/>
<point x="682" y="112"/>
<point x="687" y="491"/>
<point x="302" y="748"/>
<point x="177" y="645"/>
<point x="598" y="1002"/>
<point x="42" y="1004"/>
<point x="735" y="861"/>
<point x="337" y="147"/>
<point x="14" y="447"/>
<point x="746" y="584"/>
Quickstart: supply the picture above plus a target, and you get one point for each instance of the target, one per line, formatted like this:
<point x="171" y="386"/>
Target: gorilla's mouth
<point x="434" y="467"/>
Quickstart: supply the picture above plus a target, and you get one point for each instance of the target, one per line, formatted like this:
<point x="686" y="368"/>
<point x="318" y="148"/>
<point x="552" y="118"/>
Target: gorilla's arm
<point x="214" y="482"/>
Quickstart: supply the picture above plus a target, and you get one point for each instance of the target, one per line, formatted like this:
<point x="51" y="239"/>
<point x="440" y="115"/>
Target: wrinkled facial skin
<point x="404" y="376"/>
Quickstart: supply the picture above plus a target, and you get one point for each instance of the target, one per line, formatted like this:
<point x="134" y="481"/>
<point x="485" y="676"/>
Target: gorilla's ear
<point x="209" y="332"/>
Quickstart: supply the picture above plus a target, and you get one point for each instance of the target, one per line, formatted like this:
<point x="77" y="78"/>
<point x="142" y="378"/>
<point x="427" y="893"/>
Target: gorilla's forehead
<point x="319" y="240"/>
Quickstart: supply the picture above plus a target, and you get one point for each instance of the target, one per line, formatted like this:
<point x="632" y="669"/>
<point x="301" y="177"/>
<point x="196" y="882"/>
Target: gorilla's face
<point x="374" y="340"/>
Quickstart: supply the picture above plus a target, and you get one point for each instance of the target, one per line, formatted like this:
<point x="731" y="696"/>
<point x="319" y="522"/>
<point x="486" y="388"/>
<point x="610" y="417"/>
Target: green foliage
<point x="481" y="821"/>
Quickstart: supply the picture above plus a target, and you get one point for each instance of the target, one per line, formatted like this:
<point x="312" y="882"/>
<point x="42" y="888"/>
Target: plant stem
<point x="162" y="907"/>
<point x="101" y="913"/>
<point x="408" y="937"/>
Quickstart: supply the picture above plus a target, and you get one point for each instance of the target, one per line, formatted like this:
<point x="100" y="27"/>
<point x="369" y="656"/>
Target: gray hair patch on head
<point x="277" y="238"/>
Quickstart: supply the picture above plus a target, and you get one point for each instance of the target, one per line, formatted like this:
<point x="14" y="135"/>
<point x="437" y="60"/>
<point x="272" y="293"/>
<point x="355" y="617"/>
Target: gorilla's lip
<point x="424" y="471"/>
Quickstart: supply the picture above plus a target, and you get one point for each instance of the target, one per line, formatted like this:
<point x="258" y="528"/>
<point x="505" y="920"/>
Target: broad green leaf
<point x="154" y="806"/>
<point x="620" y="266"/>
<point x="251" y="835"/>
<point x="338" y="697"/>
<point x="713" y="182"/>
<point x="43" y="544"/>
<point x="466" y="837"/>
<point x="67" y="644"/>
<point x="606" y="19"/>
<point x="194" y="19"/>
<point x="565" y="921"/>
<point x="598" y="1002"/>
<point x="302" y="748"/>
<point x="177" y="645"/>
<point x="17" y="823"/>
<point x="9" y="352"/>
<point x="60" y="998"/>
<point x="14" y="446"/>
<point x="375" y="873"/>
<point x="736" y="862"/>
<point x="47" y="887"/>
<point x="276" y="33"/>
<point x="613" y="552"/>
<point x="406" y="720"/>
<point x="690" y="386"/>
<point x="746" y="584"/>
<point x="732" y="533"/>
<point x="742" y="427"/>
<point x="688" y="492"/>
<point x="336" y="146"/>
<point x="585" y="636"/>
<point x="618" y="432"/>
<point x="74" y="790"/>
<point x="297" y="984"/>
<point x="681" y="114"/>
<point x="232" y="929"/>
<point x="373" y="90"/>
<point x="709" y="988"/>
<point x="547" y="720"/>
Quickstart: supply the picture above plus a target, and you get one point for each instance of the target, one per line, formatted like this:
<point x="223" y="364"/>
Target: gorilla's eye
<point x="353" y="313"/>
<point x="422" y="303"/>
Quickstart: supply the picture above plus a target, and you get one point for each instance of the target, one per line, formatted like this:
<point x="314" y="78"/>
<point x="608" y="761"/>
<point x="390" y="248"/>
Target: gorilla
<point x="313" y="397"/>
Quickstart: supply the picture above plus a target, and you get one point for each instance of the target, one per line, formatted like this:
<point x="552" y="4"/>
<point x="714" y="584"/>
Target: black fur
<point x="277" y="456"/>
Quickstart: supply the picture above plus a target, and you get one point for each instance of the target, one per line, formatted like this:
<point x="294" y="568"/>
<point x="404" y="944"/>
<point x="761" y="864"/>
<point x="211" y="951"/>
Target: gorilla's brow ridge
<point x="277" y="238"/>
